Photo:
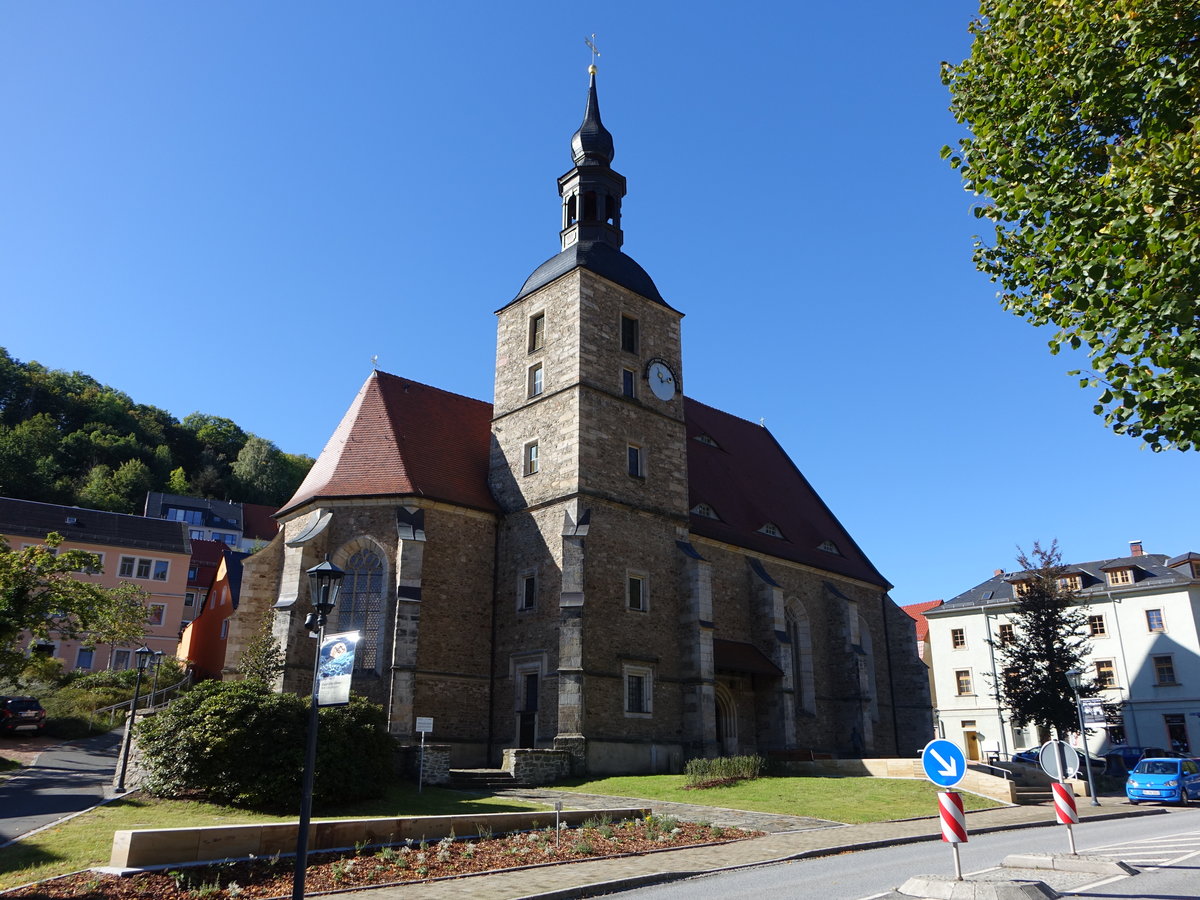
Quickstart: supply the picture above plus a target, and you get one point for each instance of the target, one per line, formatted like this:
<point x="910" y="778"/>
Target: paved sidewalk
<point x="586" y="879"/>
<point x="65" y="779"/>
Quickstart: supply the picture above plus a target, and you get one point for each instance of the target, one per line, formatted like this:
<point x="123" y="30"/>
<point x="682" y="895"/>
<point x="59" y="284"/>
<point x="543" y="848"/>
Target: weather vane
<point x="591" y="42"/>
<point x="375" y="362"/>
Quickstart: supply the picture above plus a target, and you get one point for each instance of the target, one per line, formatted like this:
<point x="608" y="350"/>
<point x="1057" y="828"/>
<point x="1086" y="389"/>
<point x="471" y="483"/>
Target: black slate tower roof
<point x="591" y="232"/>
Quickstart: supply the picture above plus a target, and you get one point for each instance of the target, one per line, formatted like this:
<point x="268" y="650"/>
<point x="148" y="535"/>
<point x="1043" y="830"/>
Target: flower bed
<point x="408" y="862"/>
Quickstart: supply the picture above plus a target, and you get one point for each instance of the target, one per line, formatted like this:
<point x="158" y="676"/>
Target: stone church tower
<point x="593" y="562"/>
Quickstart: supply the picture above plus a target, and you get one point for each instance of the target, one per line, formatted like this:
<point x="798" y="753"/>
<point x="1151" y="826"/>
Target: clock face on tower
<point x="661" y="378"/>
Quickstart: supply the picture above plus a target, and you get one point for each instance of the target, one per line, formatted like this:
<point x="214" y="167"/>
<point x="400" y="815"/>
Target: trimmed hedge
<point x="722" y="769"/>
<point x="240" y="744"/>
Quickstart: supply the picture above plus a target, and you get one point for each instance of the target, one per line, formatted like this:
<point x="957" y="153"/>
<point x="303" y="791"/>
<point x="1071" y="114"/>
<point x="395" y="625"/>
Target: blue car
<point x="1164" y="780"/>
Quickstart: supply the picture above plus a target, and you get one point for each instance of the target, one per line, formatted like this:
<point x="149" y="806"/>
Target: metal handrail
<point x="997" y="771"/>
<point x="151" y="701"/>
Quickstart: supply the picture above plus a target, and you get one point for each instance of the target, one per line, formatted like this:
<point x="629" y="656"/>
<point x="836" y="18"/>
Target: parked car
<point x="1030" y="757"/>
<point x="1128" y="756"/>
<point x="1165" y="780"/>
<point x="21" y="714"/>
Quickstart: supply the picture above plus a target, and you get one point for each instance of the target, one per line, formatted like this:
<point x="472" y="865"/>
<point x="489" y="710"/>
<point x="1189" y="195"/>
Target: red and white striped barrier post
<point x="954" y="824"/>
<point x="1064" y="809"/>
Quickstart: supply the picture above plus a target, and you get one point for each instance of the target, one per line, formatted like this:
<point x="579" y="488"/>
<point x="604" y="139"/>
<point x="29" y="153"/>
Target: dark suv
<point x="21" y="714"/>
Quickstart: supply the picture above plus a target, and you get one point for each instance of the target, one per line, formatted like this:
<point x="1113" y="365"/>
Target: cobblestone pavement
<point x="592" y="878"/>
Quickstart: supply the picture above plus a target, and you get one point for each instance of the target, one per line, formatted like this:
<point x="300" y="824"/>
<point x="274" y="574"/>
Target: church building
<point x="592" y="562"/>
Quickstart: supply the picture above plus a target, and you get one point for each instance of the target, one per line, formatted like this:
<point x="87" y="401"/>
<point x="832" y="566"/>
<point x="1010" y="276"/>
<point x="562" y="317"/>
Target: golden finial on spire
<point x="591" y="42"/>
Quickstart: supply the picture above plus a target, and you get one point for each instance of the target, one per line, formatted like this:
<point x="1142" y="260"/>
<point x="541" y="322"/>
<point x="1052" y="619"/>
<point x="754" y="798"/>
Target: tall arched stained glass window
<point x="360" y="606"/>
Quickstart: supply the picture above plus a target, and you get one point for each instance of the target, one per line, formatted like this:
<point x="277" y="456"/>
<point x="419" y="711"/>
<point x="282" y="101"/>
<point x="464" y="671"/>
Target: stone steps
<point x="483" y="780"/>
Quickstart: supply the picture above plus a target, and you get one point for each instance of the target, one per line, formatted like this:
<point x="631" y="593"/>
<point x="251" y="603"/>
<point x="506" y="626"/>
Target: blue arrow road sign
<point x="944" y="763"/>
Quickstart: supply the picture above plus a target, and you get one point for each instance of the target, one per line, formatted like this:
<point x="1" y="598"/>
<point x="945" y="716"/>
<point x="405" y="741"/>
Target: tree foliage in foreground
<point x="238" y="743"/>
<point x="40" y="593"/>
<point x="1085" y="141"/>
<point x="1049" y="639"/>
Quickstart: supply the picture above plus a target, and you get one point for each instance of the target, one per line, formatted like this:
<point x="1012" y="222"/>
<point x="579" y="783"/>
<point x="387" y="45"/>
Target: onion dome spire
<point x="592" y="144"/>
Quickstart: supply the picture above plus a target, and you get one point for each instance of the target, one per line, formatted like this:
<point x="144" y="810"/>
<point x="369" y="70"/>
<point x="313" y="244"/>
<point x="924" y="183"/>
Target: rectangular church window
<point x="629" y="334"/>
<point x="537" y="332"/>
<point x="531" y="458"/>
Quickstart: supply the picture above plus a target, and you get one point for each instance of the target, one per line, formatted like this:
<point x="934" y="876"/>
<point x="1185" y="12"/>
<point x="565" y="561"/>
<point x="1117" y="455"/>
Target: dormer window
<point x="1067" y="583"/>
<point x="703" y="509"/>
<point x="829" y="547"/>
<point x="771" y="530"/>
<point x="705" y="439"/>
<point x="1121" y="576"/>
<point x="1022" y="588"/>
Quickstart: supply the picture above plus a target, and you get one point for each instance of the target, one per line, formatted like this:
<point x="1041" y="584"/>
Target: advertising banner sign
<point x="1093" y="711"/>
<point x="334" y="668"/>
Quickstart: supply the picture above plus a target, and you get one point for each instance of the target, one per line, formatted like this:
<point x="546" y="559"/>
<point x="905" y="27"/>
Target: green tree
<point x="1049" y="638"/>
<point x="221" y="437"/>
<point x="261" y="471"/>
<point x="262" y="661"/>
<point x="40" y="594"/>
<point x="178" y="483"/>
<point x="1085" y="131"/>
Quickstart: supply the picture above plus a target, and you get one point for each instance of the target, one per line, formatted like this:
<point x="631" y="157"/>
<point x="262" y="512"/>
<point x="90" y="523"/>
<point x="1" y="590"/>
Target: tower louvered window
<point x="360" y="606"/>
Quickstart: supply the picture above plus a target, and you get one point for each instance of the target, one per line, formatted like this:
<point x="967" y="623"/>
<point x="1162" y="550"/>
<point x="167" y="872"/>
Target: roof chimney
<point x="997" y="571"/>
<point x="1135" y="548"/>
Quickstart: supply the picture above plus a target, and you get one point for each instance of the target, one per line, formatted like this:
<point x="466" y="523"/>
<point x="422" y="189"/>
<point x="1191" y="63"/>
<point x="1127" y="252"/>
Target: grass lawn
<point x="86" y="840"/>
<point x="849" y="800"/>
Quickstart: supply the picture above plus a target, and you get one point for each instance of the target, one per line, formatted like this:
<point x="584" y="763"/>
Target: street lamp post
<point x="1074" y="679"/>
<point x="142" y="655"/>
<point x="324" y="580"/>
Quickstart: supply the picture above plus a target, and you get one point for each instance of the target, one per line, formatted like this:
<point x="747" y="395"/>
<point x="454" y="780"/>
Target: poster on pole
<point x="335" y="665"/>
<point x="1093" y="710"/>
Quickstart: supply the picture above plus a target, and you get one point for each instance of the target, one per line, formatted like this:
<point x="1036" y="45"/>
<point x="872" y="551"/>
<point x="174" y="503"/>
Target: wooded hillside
<point x="66" y="438"/>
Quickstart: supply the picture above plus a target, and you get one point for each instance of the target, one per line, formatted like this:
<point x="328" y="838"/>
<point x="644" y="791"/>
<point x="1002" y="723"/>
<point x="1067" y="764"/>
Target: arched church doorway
<point x="727" y="733"/>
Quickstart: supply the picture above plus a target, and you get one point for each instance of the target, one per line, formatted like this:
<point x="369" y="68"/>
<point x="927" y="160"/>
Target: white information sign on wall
<point x="424" y="724"/>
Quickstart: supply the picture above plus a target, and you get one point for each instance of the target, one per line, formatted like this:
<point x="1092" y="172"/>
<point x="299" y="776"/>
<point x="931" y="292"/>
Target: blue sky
<point x="231" y="207"/>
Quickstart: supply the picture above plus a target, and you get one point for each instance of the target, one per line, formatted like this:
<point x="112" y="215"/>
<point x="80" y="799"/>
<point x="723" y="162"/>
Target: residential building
<point x="916" y="612"/>
<point x="1142" y="612"/>
<point x="593" y="562"/>
<point x="242" y="526"/>
<point x="202" y="642"/>
<point x="150" y="553"/>
<point x="202" y="572"/>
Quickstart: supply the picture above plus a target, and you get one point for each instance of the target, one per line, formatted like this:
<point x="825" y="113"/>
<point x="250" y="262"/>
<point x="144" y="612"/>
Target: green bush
<point x="723" y="768"/>
<point x="237" y="743"/>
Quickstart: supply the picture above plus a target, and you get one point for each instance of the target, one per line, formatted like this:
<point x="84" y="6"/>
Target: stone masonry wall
<point x="536" y="766"/>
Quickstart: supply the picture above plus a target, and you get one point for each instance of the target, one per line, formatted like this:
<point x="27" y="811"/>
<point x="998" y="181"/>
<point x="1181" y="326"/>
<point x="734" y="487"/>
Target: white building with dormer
<point x="1143" y="611"/>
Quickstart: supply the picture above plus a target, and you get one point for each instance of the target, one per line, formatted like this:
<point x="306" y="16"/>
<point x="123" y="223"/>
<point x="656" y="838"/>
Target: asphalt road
<point x="876" y="873"/>
<point x="67" y="778"/>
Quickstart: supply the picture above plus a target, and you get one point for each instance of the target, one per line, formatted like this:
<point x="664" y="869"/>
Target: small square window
<point x="958" y="638"/>
<point x="962" y="679"/>
<point x="120" y="660"/>
<point x="1096" y="626"/>
<point x="635" y="593"/>
<point x="1154" y="620"/>
<point x="531" y="458"/>
<point x="189" y="599"/>
<point x="156" y="614"/>
<point x="85" y="658"/>
<point x="635" y="461"/>
<point x="535" y="380"/>
<point x="127" y="566"/>
<point x="629" y="334"/>
<point x="1164" y="670"/>
<point x="1007" y="634"/>
<point x="1106" y="673"/>
<point x="527" y="592"/>
<point x="537" y="332"/>
<point x="143" y="568"/>
<point x="628" y="383"/>
<point x="161" y="568"/>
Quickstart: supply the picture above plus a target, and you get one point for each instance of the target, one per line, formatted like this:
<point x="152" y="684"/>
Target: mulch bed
<point x="271" y="878"/>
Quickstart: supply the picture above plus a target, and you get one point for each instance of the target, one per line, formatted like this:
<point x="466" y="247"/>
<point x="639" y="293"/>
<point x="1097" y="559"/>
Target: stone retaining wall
<point x="437" y="762"/>
<point x="536" y="766"/>
<point x="180" y="846"/>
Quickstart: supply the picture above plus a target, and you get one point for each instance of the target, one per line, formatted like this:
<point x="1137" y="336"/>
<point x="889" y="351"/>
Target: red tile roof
<point x="206" y="556"/>
<point x="258" y="522"/>
<point x="917" y="612"/>
<point x="400" y="437"/>
<point x="749" y="481"/>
